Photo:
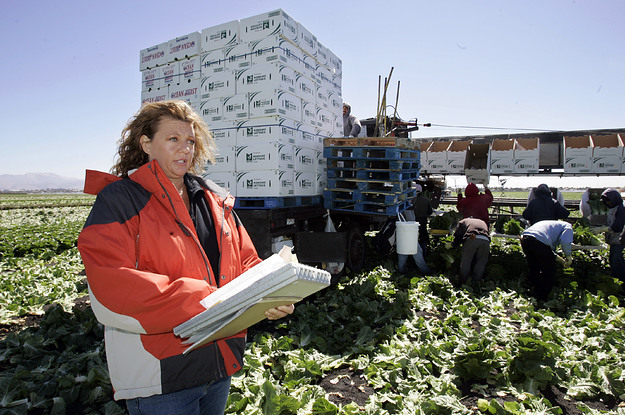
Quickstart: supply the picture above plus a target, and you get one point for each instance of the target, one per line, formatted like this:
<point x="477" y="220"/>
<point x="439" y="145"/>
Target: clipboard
<point x="242" y="302"/>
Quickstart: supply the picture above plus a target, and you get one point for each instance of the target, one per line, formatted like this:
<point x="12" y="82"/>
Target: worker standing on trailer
<point x="351" y="124"/>
<point x="544" y="207"/>
<point x="612" y="199"/>
<point x="473" y="235"/>
<point x="475" y="204"/>
<point x="539" y="243"/>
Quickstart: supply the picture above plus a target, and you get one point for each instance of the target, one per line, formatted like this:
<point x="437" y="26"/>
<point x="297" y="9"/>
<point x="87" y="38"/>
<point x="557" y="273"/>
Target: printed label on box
<point x="220" y="36"/>
<point x="267" y="183"/>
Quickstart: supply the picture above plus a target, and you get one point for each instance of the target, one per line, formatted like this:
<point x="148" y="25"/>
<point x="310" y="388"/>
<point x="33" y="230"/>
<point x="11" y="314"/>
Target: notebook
<point x="243" y="301"/>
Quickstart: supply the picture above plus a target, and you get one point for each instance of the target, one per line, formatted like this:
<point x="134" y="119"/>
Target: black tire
<point x="356" y="245"/>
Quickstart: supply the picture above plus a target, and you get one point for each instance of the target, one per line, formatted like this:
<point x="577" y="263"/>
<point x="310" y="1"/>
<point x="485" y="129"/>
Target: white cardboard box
<point x="266" y="76"/>
<point x="309" y="112"/>
<point x="235" y="107"/>
<point x="225" y="161"/>
<point x="577" y="154"/>
<point x="423" y="153"/>
<point x="502" y="156"/>
<point x="211" y="110"/>
<point x="238" y="57"/>
<point x="271" y="155"/>
<point x="225" y="179"/>
<point x="150" y="79"/>
<point x="188" y="91"/>
<point x="477" y="163"/>
<point x="153" y="56"/>
<point x="266" y="129"/>
<point x="307" y="136"/>
<point x="456" y="155"/>
<point x="170" y="73"/>
<point x="183" y="47"/>
<point x="305" y="88"/>
<point x="437" y="157"/>
<point x="275" y="22"/>
<point x="307" y="41"/>
<point x="190" y="68"/>
<point x="309" y="67"/>
<point x="276" y="49"/>
<point x="526" y="155"/>
<point x="335" y="65"/>
<point x="218" y="85"/>
<point x="337" y="125"/>
<point x="322" y="54"/>
<point x="224" y="133"/>
<point x="305" y="183"/>
<point x="220" y="36"/>
<point x="275" y="102"/>
<point x="212" y="62"/>
<point x="322" y="97"/>
<point x="607" y="153"/>
<point x="325" y="120"/>
<point x="305" y="159"/>
<point x="322" y="181"/>
<point x="335" y="101"/>
<point x="154" y="95"/>
<point x="265" y="183"/>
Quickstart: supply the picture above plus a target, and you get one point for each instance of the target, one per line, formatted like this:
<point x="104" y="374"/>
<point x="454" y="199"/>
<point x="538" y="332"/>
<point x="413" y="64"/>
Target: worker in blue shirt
<point x="539" y="243"/>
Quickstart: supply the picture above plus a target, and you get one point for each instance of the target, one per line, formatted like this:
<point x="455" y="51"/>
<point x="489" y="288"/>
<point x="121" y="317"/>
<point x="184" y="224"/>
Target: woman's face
<point x="173" y="146"/>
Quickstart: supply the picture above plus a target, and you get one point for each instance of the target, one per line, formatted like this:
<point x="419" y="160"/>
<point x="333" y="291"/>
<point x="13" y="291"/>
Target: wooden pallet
<point x="371" y="142"/>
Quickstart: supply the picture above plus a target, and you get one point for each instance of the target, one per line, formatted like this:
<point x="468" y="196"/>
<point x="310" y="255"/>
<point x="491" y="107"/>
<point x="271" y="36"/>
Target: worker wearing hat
<point x="351" y="124"/>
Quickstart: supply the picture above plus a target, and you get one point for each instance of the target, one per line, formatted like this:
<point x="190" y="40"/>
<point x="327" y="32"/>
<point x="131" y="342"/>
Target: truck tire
<point x="355" y="260"/>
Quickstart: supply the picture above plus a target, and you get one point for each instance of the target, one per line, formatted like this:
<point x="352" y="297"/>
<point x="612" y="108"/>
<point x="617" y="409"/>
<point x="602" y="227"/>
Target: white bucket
<point x="407" y="237"/>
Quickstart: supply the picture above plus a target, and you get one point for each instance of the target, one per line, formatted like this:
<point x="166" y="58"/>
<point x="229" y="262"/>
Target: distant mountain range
<point x="38" y="181"/>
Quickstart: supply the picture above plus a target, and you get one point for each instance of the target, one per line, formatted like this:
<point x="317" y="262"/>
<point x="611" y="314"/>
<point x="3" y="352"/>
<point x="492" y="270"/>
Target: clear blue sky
<point x="70" y="75"/>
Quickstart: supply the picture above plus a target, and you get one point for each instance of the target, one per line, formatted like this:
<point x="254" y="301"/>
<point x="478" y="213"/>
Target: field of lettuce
<point x="376" y="343"/>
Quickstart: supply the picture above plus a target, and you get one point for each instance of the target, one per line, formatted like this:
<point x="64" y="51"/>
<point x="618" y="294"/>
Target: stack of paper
<point x="243" y="301"/>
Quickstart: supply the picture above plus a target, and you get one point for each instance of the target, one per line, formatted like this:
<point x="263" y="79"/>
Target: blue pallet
<point x="370" y="185"/>
<point x="369" y="164"/>
<point x="382" y="153"/>
<point x="387" y="175"/>
<point x="275" y="202"/>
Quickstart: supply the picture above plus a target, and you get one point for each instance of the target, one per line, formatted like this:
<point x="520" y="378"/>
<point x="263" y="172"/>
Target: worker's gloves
<point x="600" y="229"/>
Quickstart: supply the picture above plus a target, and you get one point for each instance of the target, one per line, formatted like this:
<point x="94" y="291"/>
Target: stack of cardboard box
<point x="269" y="91"/>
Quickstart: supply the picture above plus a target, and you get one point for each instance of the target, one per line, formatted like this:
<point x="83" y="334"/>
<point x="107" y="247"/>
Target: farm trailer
<point x="369" y="181"/>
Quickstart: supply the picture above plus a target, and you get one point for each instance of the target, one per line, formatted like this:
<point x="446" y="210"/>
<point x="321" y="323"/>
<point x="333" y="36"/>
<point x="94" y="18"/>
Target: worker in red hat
<point x="475" y="204"/>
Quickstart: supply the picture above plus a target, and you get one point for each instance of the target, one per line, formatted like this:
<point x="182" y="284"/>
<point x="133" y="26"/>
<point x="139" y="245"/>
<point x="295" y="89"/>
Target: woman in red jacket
<point x="157" y="241"/>
<point x="475" y="204"/>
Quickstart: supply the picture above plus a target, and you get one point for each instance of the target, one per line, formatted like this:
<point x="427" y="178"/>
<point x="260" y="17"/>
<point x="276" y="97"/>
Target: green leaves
<point x="411" y="344"/>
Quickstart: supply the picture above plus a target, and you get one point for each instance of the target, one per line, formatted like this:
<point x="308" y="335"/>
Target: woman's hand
<point x="279" y="312"/>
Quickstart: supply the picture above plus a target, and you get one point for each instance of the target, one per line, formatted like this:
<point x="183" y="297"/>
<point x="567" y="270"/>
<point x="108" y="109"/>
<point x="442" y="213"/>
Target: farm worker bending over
<point x="544" y="207"/>
<point x="351" y="124"/>
<point x="475" y="204"/>
<point x="612" y="199"/>
<point x="539" y="243"/>
<point x="157" y="241"/>
<point x="473" y="235"/>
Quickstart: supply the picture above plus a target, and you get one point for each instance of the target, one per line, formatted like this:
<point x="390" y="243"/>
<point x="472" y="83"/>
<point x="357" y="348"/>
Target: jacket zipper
<point x="187" y="232"/>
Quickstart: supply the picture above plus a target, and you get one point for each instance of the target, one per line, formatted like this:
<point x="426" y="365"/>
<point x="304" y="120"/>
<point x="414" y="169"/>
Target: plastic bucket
<point x="407" y="237"/>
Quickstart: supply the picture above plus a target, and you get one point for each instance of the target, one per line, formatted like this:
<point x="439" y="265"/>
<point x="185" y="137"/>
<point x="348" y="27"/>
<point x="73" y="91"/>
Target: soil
<point x="346" y="385"/>
<point x="31" y="320"/>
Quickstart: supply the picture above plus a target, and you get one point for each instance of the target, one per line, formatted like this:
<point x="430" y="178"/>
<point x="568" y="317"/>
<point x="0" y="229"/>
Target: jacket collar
<point x="153" y="179"/>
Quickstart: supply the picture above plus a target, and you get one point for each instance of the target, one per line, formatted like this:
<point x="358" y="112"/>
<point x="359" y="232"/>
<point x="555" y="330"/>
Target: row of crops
<point x="376" y="343"/>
